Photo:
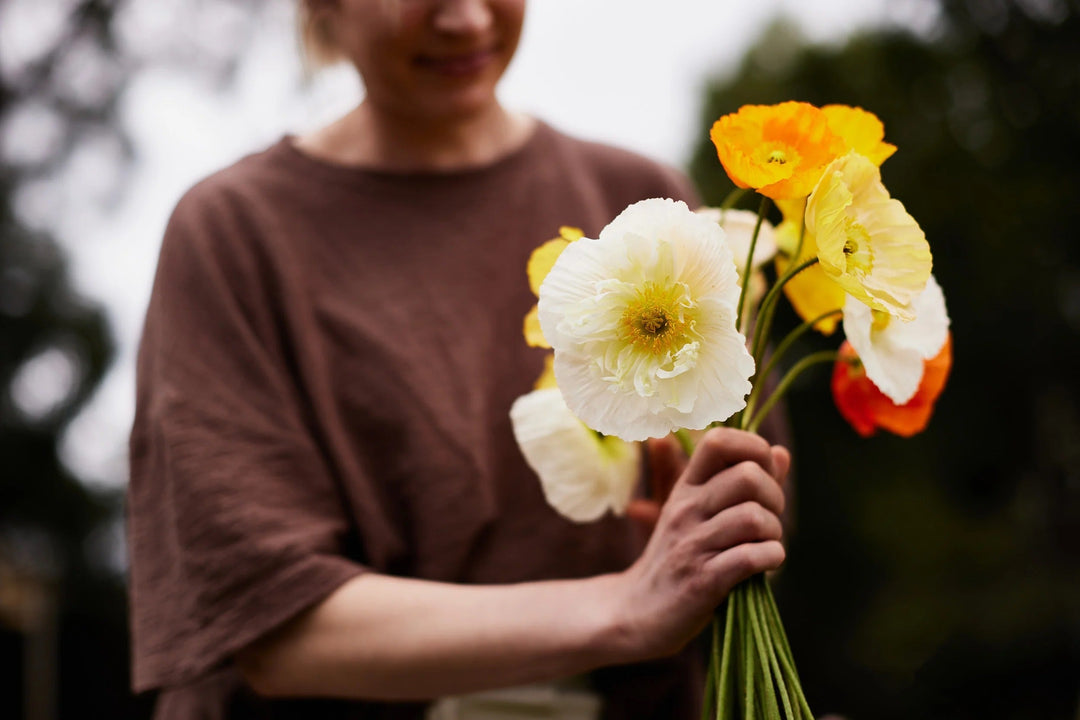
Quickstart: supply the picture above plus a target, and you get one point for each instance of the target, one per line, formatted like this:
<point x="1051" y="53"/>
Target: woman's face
<point x="429" y="59"/>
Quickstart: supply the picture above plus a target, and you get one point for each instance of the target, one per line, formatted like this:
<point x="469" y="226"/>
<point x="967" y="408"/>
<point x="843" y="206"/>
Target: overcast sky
<point x="629" y="72"/>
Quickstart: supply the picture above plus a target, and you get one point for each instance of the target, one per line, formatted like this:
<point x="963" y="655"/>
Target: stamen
<point x="658" y="320"/>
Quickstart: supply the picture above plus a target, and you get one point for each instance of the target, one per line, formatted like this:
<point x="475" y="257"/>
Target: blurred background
<point x="937" y="577"/>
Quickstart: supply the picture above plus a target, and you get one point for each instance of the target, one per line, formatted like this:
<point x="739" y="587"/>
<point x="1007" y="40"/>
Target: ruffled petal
<point x="892" y="350"/>
<point x="867" y="242"/>
<point x="738" y="227"/>
<point x="582" y="474"/>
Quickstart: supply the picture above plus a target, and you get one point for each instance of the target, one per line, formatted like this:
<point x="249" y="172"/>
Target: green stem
<point x="722" y="692"/>
<point x="786" y="657"/>
<point x="781" y="349"/>
<point x="768" y="305"/>
<point x="685" y="441"/>
<point x="802" y="234"/>
<point x="770" y="645"/>
<point x="747" y="653"/>
<point x="772" y="710"/>
<point x="748" y="267"/>
<point x="761" y="333"/>
<point x="808" y="361"/>
<point x="733" y="197"/>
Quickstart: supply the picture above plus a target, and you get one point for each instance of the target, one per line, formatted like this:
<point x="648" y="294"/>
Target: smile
<point x="458" y="65"/>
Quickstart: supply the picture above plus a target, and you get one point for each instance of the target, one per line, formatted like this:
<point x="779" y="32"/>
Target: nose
<point x="462" y="16"/>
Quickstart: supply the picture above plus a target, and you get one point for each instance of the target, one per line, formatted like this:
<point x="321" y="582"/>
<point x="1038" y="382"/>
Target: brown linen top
<point x="324" y="381"/>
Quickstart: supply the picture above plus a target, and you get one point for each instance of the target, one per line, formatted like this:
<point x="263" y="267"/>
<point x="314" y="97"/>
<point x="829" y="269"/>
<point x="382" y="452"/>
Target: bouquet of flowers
<point x="649" y="322"/>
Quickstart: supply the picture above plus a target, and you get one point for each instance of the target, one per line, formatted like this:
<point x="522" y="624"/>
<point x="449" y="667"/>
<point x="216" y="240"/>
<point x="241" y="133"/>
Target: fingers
<point x="781" y="463"/>
<point x="645" y="512"/>
<point x="741" y="562"/>
<point x="666" y="464"/>
<point x="723" y="447"/>
<point x="746" y="482"/>
<point x="747" y="522"/>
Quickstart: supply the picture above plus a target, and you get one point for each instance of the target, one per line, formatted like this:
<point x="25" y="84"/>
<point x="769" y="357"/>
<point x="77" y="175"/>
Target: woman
<point x="328" y="514"/>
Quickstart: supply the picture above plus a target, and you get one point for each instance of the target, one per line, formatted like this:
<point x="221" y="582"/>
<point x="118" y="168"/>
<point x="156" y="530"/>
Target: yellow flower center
<point x="658" y="318"/>
<point x="879" y="320"/>
<point x="859" y="258"/>
<point x="777" y="156"/>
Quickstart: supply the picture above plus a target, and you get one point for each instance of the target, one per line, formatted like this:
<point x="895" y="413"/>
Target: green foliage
<point x="935" y="577"/>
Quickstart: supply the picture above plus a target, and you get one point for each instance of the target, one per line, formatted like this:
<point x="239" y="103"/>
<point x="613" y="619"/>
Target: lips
<point x="458" y="64"/>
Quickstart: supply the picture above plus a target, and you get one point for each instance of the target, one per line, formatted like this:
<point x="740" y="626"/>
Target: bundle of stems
<point x="751" y="669"/>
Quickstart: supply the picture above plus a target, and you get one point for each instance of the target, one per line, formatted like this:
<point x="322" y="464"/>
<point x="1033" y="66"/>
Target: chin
<point x="459" y="105"/>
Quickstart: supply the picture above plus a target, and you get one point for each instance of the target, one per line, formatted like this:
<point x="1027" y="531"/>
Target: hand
<point x="720" y="526"/>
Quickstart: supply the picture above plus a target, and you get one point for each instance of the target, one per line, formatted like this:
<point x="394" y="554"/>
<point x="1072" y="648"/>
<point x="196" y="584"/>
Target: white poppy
<point x="583" y="474"/>
<point x="738" y="228"/>
<point x="893" y="350"/>
<point x="642" y="322"/>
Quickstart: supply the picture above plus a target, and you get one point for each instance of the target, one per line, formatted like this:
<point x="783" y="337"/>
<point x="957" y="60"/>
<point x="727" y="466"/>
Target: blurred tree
<point x="936" y="577"/>
<point x="54" y="348"/>
<point x="62" y="77"/>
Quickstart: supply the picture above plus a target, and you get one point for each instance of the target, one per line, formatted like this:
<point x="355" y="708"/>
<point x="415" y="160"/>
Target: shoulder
<point x="220" y="245"/>
<point x="626" y="176"/>
<point x="222" y="215"/>
<point x="247" y="185"/>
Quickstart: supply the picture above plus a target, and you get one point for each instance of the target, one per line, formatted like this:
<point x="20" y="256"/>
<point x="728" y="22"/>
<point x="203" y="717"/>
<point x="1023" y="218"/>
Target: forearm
<point x="386" y="638"/>
<point x="381" y="637"/>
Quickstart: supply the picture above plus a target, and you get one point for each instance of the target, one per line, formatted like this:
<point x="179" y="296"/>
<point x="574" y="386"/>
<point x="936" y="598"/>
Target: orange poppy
<point x="866" y="408"/>
<point x="779" y="150"/>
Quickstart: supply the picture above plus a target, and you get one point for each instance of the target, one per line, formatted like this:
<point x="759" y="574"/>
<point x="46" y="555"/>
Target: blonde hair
<point x="318" y="46"/>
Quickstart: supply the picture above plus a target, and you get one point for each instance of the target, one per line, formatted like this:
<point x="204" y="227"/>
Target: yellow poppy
<point x="540" y="262"/>
<point x="546" y="381"/>
<point x="866" y="241"/>
<point x="861" y="130"/>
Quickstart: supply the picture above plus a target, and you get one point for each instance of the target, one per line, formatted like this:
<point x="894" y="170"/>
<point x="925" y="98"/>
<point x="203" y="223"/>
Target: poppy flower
<point x="892" y="351"/>
<point x="642" y="321"/>
<point x="867" y="409"/>
<point x="583" y="474"/>
<point x="867" y="242"/>
<point x="778" y="150"/>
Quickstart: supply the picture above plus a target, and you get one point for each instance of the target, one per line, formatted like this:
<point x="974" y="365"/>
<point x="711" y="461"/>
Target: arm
<point x="380" y="637"/>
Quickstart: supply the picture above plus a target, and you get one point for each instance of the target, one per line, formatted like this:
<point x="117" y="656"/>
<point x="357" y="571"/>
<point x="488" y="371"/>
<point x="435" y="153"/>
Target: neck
<point x="369" y="138"/>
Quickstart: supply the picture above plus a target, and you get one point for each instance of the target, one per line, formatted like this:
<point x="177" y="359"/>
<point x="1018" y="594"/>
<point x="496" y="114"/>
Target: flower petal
<point x="779" y="150"/>
<point x="581" y="474"/>
<point x="866" y="408"/>
<point x="642" y="324"/>
<point x="534" y="336"/>
<point x="893" y="350"/>
<point x="867" y="242"/>
<point x="738" y="228"/>
<point x="861" y="130"/>
<point x="541" y="260"/>
<point x="812" y="293"/>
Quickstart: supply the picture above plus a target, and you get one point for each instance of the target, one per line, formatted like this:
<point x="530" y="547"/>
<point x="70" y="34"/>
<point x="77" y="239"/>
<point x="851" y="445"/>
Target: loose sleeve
<point x="236" y="523"/>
